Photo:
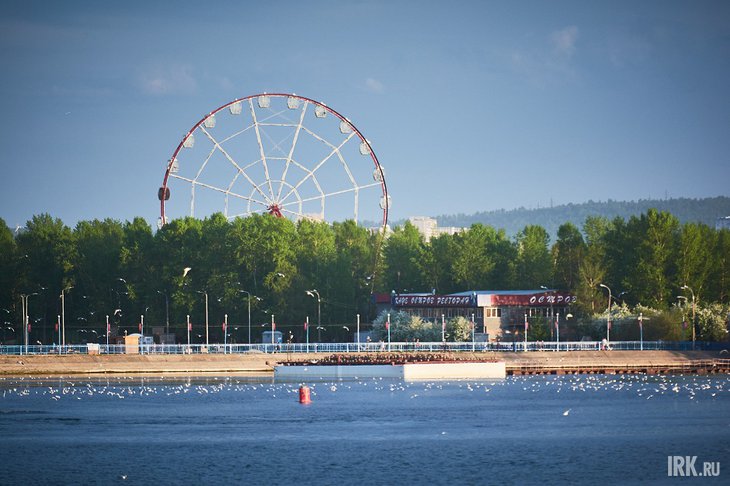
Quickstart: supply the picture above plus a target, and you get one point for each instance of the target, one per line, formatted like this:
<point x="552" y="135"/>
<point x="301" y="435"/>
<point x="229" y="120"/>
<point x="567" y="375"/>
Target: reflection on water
<point x="181" y="430"/>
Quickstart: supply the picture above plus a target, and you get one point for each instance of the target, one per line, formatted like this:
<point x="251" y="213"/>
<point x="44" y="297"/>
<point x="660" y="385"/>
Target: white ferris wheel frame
<point x="276" y="196"/>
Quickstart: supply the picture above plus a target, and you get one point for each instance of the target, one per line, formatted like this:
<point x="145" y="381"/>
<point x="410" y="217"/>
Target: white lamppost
<point x="225" y="332"/>
<point x="443" y="328"/>
<point x="527" y="325"/>
<point x="205" y="293"/>
<point x="63" y="314"/>
<point x="187" y="318"/>
<point x="26" y="319"/>
<point x="608" y="319"/>
<point x="313" y="293"/>
<point x="687" y="287"/>
<point x="167" y="312"/>
<point x="273" y="328"/>
<point x="248" y="294"/>
<point x="473" y="326"/>
<point x="306" y="328"/>
<point x="387" y="325"/>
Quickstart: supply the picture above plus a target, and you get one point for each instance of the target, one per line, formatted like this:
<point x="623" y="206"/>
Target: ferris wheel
<point x="281" y="154"/>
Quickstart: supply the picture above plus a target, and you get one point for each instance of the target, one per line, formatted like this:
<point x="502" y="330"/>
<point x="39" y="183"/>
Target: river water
<point x="597" y="429"/>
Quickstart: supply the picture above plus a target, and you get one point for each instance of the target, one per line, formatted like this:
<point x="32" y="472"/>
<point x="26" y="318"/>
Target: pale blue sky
<point x="470" y="106"/>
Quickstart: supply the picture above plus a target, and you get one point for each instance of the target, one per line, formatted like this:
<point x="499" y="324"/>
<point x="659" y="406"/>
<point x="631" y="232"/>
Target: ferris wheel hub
<point x="275" y="210"/>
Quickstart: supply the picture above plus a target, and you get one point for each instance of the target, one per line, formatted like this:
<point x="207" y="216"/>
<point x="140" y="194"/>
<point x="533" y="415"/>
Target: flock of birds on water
<point x="639" y="387"/>
<point x="648" y="387"/>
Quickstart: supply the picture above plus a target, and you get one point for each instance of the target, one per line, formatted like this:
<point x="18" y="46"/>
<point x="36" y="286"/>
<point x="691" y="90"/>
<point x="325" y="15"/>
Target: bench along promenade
<point x="256" y="363"/>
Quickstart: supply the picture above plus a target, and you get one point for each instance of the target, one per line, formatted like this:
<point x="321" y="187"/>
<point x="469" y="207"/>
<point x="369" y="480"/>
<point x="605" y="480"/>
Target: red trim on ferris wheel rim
<point x="304" y="98"/>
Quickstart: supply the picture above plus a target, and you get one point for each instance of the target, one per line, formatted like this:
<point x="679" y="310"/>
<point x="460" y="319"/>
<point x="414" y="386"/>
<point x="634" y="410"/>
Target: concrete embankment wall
<point x="263" y="364"/>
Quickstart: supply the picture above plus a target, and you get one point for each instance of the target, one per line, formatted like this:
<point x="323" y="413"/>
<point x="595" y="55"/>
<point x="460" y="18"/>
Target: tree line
<point x="126" y="270"/>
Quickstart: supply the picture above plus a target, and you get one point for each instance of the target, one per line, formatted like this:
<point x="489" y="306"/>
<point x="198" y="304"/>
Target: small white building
<point x="722" y="223"/>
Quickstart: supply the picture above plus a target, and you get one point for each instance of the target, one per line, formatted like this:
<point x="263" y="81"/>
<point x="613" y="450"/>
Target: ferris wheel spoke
<point x="227" y="192"/>
<point x="355" y="189"/>
<point x="291" y="150"/>
<point x="261" y="149"/>
<point x="219" y="147"/>
<point x="310" y="173"/>
<point x="297" y="214"/>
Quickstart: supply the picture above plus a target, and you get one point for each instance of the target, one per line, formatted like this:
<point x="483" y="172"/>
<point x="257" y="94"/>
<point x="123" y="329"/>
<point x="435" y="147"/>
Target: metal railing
<point x="368" y="347"/>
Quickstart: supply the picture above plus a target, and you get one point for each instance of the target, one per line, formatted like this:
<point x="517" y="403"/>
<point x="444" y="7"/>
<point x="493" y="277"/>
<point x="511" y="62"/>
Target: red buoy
<point x="304" y="395"/>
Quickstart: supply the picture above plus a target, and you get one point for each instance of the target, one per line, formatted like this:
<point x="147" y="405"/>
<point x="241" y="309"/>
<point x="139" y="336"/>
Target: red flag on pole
<point x="387" y="325"/>
<point x="56" y="327"/>
<point x="29" y="327"/>
<point x="140" y="327"/>
<point x="527" y="325"/>
<point x="273" y="326"/>
<point x="190" y="326"/>
<point x="305" y="325"/>
<point x="223" y="326"/>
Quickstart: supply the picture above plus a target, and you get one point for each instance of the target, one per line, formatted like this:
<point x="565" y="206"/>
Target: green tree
<point x="458" y="329"/>
<point x="694" y="262"/>
<point x="720" y="273"/>
<point x="568" y="253"/>
<point x="46" y="253"/>
<point x="96" y="267"/>
<point x="8" y="272"/>
<point x="652" y="276"/>
<point x="402" y="252"/>
<point x="473" y="263"/>
<point x="592" y="270"/>
<point x="534" y="266"/>
<point x="437" y="262"/>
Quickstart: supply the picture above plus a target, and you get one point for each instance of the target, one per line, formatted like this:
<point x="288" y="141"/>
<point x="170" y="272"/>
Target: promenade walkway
<point x="260" y="364"/>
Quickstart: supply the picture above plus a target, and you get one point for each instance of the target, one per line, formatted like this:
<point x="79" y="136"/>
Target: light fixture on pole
<point x="608" y="319"/>
<point x="205" y="293"/>
<point x="681" y="298"/>
<point x="306" y="329"/>
<point x="387" y="326"/>
<point x="443" y="328"/>
<point x="63" y="314"/>
<point x="687" y="287"/>
<point x="167" y="312"/>
<point x="190" y="327"/>
<point x="248" y="294"/>
<point x="527" y="325"/>
<point x="273" y="328"/>
<point x="313" y="293"/>
<point x="225" y="332"/>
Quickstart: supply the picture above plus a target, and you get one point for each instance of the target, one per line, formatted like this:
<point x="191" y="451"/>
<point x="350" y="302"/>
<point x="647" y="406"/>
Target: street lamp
<point x="249" y="311"/>
<point x="204" y="292"/>
<point x="312" y="293"/>
<point x="167" y="312"/>
<point x="551" y="299"/>
<point x="26" y="320"/>
<point x="687" y="287"/>
<point x="608" y="319"/>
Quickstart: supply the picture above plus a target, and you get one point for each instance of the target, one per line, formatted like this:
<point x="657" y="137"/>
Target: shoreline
<point x="262" y="365"/>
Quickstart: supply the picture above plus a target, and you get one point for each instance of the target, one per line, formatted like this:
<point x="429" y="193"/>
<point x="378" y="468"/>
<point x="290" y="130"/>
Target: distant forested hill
<point x="687" y="210"/>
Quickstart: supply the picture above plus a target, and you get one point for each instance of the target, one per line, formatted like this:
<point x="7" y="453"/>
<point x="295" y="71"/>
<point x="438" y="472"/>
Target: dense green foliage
<point x="125" y="270"/>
